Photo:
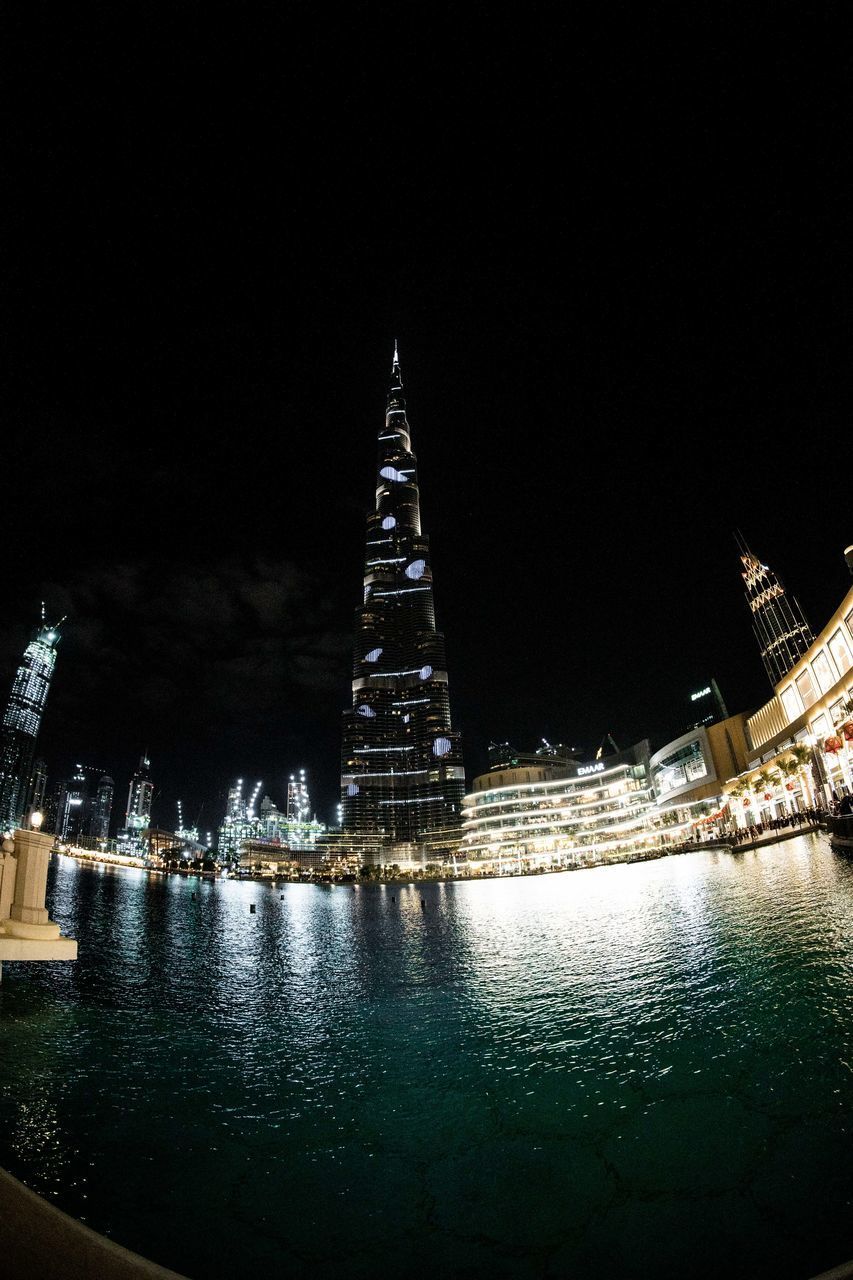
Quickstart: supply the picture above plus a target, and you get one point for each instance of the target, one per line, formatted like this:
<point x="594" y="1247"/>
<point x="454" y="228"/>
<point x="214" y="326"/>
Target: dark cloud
<point x="227" y="665"/>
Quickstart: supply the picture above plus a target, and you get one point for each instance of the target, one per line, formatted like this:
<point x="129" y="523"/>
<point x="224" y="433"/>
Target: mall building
<point x="551" y="813"/>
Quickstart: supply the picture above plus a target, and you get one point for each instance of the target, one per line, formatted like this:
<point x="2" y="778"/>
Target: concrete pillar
<point x="8" y="868"/>
<point x="28" y="916"/>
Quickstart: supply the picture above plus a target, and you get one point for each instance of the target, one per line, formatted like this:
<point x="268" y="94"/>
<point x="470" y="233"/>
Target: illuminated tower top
<point x="779" y="624"/>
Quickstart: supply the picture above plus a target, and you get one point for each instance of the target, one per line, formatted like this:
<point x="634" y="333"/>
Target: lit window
<point x="415" y="569"/>
<point x="389" y="523"/>
<point x="391" y="473"/>
<point x="823" y="671"/>
<point x="805" y="688"/>
<point x="352" y="789"/>
<point x="840" y="651"/>
<point x="364" y="710"/>
<point x="441" y="747"/>
<point x="425" y="672"/>
<point x="791" y="703"/>
<point x="373" y="656"/>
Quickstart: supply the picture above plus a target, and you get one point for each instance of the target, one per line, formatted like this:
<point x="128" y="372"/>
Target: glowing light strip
<point x="607" y="802"/>
<point x="415" y="671"/>
<point x="586" y="784"/>
<point x="405" y="591"/>
<point x="394" y="773"/>
<point x="412" y="702"/>
<point x="419" y="800"/>
<point x="554" y="828"/>
<point x="388" y="560"/>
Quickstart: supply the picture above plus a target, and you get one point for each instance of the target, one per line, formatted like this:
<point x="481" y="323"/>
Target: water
<point x="633" y="1071"/>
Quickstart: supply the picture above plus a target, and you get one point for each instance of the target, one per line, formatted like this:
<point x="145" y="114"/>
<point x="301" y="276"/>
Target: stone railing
<point x="26" y="931"/>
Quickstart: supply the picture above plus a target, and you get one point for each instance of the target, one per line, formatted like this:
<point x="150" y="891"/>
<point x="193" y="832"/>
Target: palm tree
<point x="803" y="757"/>
<point x="789" y="770"/>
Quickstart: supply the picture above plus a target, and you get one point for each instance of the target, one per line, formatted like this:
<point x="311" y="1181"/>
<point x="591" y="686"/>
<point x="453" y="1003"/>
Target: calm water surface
<point x="631" y="1071"/>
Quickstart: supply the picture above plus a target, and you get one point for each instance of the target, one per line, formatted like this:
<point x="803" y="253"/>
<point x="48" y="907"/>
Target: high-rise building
<point x="402" y="775"/>
<point x="779" y="624"/>
<point x="139" y="797"/>
<point x="100" y="808"/>
<point x="22" y="721"/>
<point x="72" y="806"/>
<point x="38" y="787"/>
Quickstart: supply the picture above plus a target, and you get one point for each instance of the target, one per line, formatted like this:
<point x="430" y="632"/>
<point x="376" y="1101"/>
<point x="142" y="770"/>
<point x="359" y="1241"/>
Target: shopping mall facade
<point x="793" y="753"/>
<point x="558" y="813"/>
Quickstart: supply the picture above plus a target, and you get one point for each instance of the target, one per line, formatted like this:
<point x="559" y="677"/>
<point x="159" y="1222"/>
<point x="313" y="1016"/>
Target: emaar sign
<point x="591" y="768"/>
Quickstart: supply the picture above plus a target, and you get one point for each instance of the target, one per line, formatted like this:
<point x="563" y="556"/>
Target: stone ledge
<point x="40" y="1242"/>
<point x="37" y="949"/>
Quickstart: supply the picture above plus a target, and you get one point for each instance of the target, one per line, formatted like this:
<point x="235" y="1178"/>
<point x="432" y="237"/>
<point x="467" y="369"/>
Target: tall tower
<point x="101" y="808"/>
<point x="401" y="768"/>
<point x="139" y="797"/>
<point x="22" y="721"/>
<point x="779" y="624"/>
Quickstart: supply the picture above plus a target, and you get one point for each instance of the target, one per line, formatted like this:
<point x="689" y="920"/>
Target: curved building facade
<point x="569" y="814"/>
<point x="402" y="776"/>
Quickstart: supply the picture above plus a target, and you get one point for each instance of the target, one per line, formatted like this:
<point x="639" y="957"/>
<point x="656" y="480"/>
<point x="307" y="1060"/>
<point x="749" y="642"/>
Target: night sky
<point x="614" y="245"/>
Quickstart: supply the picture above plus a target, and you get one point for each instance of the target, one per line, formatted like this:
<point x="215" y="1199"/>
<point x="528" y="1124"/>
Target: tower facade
<point x="139" y="797"/>
<point x="22" y="721"/>
<point x="402" y="776"/>
<point x="779" y="624"/>
<point x="101" y="808"/>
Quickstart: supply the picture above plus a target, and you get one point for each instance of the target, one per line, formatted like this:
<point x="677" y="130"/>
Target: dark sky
<point x="614" y="245"/>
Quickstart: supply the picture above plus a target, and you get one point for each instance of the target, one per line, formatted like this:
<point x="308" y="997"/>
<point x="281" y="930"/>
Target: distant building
<point x="71" y="808"/>
<point x="37" y="799"/>
<point x="779" y="624"/>
<point x="401" y="766"/>
<point x="132" y="839"/>
<point x="101" y="807"/>
<point x="22" y="721"/>
<point x="281" y="835"/>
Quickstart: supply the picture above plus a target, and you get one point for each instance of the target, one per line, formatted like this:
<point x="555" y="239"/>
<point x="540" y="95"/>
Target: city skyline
<point x="626" y="338"/>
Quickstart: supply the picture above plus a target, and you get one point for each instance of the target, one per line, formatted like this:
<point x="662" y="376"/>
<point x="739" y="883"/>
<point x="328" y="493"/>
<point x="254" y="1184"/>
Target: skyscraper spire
<point x="401" y="772"/>
<point x="779" y="624"/>
<point x="22" y="720"/>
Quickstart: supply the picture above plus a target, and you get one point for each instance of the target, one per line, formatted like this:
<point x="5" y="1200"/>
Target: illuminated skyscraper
<point x="402" y="776"/>
<point x="22" y="721"/>
<point x="139" y="797"/>
<point x="779" y="624"/>
<point x="101" y="808"/>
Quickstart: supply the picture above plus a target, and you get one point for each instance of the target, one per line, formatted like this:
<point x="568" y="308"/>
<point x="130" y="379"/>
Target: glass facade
<point x="22" y="721"/>
<point x="401" y="766"/>
<point x="685" y="765"/>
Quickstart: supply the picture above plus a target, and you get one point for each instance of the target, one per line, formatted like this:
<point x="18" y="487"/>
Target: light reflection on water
<point x="633" y="1070"/>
